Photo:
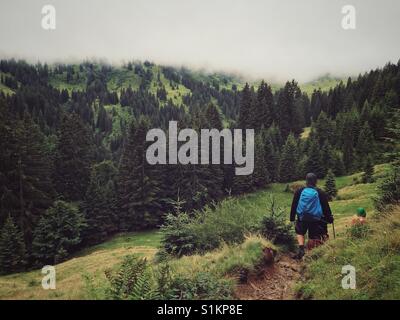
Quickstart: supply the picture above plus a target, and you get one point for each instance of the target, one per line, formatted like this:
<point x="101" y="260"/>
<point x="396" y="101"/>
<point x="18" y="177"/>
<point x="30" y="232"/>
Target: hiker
<point x="360" y="218"/>
<point x="311" y="207"/>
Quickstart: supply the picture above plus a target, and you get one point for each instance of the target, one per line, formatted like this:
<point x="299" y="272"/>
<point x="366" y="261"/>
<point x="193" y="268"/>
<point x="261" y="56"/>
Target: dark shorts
<point x="316" y="229"/>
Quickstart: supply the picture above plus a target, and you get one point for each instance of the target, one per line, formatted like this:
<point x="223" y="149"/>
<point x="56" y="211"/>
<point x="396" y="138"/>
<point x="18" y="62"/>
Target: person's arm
<point x="326" y="209"/>
<point x="295" y="202"/>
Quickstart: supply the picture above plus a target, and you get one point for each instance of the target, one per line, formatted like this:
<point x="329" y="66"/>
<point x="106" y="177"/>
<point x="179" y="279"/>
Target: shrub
<point x="389" y="190"/>
<point x="136" y="279"/>
<point x="58" y="233"/>
<point x="202" y="285"/>
<point x="133" y="281"/>
<point x="228" y="222"/>
<point x="368" y="175"/>
<point x="177" y="238"/>
<point x="274" y="226"/>
<point x="359" y="231"/>
<point x="330" y="185"/>
<point x="12" y="248"/>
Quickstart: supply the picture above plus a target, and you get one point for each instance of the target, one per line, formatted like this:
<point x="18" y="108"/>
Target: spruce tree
<point x="288" y="166"/>
<point x="138" y="182"/>
<point x="12" y="248"/>
<point x="213" y="117"/>
<point x="348" y="151"/>
<point x="215" y="172"/>
<point x="314" y="163"/>
<point x="100" y="203"/>
<point x="289" y="99"/>
<point x="246" y="107"/>
<point x="271" y="159"/>
<point x="330" y="185"/>
<point x="260" y="174"/>
<point x="26" y="187"/>
<point x="338" y="165"/>
<point x="365" y="145"/>
<point x="368" y="175"/>
<point x="58" y="233"/>
<point x="264" y="107"/>
<point x="74" y="156"/>
<point x="327" y="158"/>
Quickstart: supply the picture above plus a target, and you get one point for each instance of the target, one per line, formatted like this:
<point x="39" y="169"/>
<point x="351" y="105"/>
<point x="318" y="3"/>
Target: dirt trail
<point x="274" y="282"/>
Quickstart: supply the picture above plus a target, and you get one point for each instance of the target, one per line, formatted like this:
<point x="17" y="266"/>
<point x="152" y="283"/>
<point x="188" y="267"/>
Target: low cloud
<point x="276" y="40"/>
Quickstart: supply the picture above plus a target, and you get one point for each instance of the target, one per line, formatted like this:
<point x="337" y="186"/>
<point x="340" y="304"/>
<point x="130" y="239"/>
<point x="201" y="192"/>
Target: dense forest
<point x="72" y="138"/>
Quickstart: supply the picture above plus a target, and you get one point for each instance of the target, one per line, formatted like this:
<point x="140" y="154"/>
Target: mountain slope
<point x="95" y="260"/>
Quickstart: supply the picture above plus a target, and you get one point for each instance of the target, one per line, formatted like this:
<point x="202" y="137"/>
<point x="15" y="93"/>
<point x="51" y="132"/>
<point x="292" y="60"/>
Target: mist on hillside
<point x="275" y="40"/>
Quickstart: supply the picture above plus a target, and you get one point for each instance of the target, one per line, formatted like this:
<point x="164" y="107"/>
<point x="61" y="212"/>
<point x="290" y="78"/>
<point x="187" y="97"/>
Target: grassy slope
<point x="324" y="83"/>
<point x="375" y="257"/>
<point x="96" y="259"/>
<point x="3" y="87"/>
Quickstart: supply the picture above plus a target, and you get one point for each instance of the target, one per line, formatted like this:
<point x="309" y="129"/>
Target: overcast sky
<point x="274" y="39"/>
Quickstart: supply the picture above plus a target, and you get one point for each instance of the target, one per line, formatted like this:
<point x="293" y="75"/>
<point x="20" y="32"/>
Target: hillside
<point x="74" y="78"/>
<point x="75" y="174"/>
<point x="95" y="260"/>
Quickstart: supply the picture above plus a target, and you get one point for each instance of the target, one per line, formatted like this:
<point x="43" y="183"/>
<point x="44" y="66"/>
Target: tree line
<point x="68" y="179"/>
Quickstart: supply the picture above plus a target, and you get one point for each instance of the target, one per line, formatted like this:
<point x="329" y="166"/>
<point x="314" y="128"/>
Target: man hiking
<point x="311" y="207"/>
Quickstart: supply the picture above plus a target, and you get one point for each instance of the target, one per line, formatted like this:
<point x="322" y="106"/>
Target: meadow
<point x="245" y="210"/>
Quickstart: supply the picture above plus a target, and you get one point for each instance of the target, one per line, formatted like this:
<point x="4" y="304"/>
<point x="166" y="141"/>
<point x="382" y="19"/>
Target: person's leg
<point x="300" y="239"/>
<point x="301" y="230"/>
<point x="317" y="232"/>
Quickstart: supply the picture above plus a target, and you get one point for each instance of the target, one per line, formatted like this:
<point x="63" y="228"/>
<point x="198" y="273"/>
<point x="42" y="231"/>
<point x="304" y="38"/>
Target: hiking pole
<point x="333" y="228"/>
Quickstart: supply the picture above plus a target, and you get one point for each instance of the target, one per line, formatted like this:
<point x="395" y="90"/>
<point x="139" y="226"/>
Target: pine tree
<point x="26" y="188"/>
<point x="12" y="248"/>
<point x="138" y="182"/>
<point x="100" y="203"/>
<point x="73" y="159"/>
<point x="348" y="151"/>
<point x="213" y="117"/>
<point x="260" y="174"/>
<point x="327" y="158"/>
<point x="368" y="175"/>
<point x="324" y="130"/>
<point x="365" y="145"/>
<point x="58" y="233"/>
<point x="215" y="172"/>
<point x="338" y="165"/>
<point x="271" y="159"/>
<point x="389" y="189"/>
<point x="330" y="185"/>
<point x="289" y="99"/>
<point x="313" y="163"/>
<point x="264" y="107"/>
<point x="288" y="165"/>
<point x="246" y="107"/>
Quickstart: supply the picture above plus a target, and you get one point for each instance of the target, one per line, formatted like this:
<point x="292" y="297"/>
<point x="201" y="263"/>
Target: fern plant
<point x="133" y="280"/>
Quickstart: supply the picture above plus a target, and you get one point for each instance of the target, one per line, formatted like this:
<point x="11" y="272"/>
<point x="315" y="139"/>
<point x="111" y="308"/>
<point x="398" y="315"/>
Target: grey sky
<point x="274" y="39"/>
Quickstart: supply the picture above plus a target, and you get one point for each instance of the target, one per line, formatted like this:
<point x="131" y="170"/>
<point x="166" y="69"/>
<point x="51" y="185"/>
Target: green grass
<point x="226" y="260"/>
<point x="123" y="78"/>
<point x="325" y="83"/>
<point x="375" y="257"/>
<point x="241" y="211"/>
<point x="3" y="88"/>
<point x="69" y="274"/>
<point x="59" y="81"/>
<point x="122" y="114"/>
